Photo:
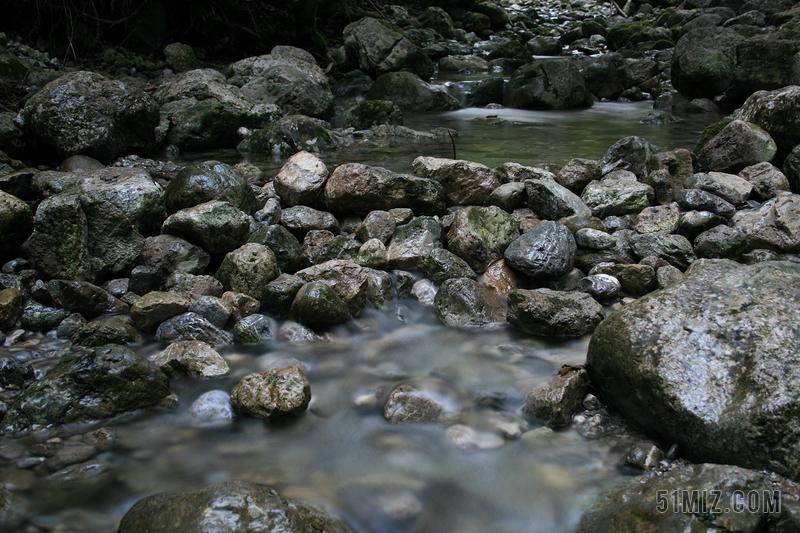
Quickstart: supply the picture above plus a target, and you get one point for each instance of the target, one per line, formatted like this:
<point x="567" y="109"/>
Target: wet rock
<point x="346" y="278"/>
<point x="248" y="270"/>
<point x="253" y="329"/>
<point x="376" y="225"/>
<point x="607" y="76"/>
<point x="376" y="49"/>
<point x="508" y="196"/>
<point x="480" y="235"/>
<point x="283" y="244"/>
<point x="10" y="304"/>
<point x="594" y="239"/>
<point x="274" y="393"/>
<point x="194" y="287"/>
<point x="552" y="201"/>
<point x="301" y="179"/>
<point x="84" y="298"/>
<point x="630" y="507"/>
<point x="644" y="456"/>
<point x="214" y="309"/>
<point x="698" y="200"/>
<point x="629" y="153"/>
<point x="317" y="304"/>
<point x="602" y="287"/>
<point x="364" y="115"/>
<point x="729" y="187"/>
<point x="180" y="57"/>
<point x="192" y="327"/>
<point x="465" y="302"/>
<point x="618" y="193"/>
<point x="552" y="313"/>
<point x="514" y="172"/>
<point x="501" y="279"/>
<point x="767" y="180"/>
<point x="693" y="223"/>
<point x="295" y="333"/>
<point x="441" y="265"/>
<point x="208" y="181"/>
<point x="465" y="63"/>
<point x="241" y="305"/>
<point x="544" y="45"/>
<point x="553" y="405"/>
<point x="170" y="253"/>
<point x="309" y="134"/>
<point x="155" y="307"/>
<point x="86" y="113"/>
<point x="738" y="145"/>
<point x="407" y="405"/>
<point x="577" y="173"/>
<point x="414" y="241"/>
<point x="636" y="280"/>
<point x="320" y="246"/>
<point x="15" y="375"/>
<point x="774" y="225"/>
<point x="280" y="293"/>
<point x="380" y="288"/>
<point x="145" y="279"/>
<point x="212" y="408"/>
<point x="661" y="218"/>
<point x="287" y="77"/>
<point x="359" y="189"/>
<point x="668" y="275"/>
<point x="424" y="291"/>
<point x="776" y="112"/>
<point x="70" y="325"/>
<point x="545" y="252"/>
<point x="675" y="249"/>
<point x="551" y="84"/>
<point x="228" y="505"/>
<point x="301" y="219"/>
<point x="411" y="93"/>
<point x="16" y="222"/>
<point x="195" y="358"/>
<point x="464" y="182"/>
<point x="698" y="391"/>
<point x="107" y="381"/>
<point x="704" y="61"/>
<point x="723" y="242"/>
<point x="109" y="330"/>
<point x="268" y="215"/>
<point x="216" y="226"/>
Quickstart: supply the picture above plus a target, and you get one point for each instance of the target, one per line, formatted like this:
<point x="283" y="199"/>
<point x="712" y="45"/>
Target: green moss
<point x="711" y="131"/>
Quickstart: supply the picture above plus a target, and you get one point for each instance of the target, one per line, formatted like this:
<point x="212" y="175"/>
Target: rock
<point x="700" y="391"/>
<point x="376" y="49"/>
<point x="228" y="505"/>
<point x="544" y="45"/>
<point x="465" y="302"/>
<point x="16" y="222"/>
<point x="407" y="405"/>
<point x="552" y="201"/>
<point x="84" y="298"/>
<point x="424" y="291"/>
<point x="145" y="279"/>
<point x="693" y="223"/>
<point x="364" y="115"/>
<point x="704" y="61"/>
<point x="630" y="507"/>
<point x="380" y="288"/>
<point x="553" y="406"/>
<point x="668" y="275"/>
<point x="82" y="237"/>
<point x="241" y="305"/>
<point x="216" y="226"/>
<point x="698" y="200"/>
<point x="464" y="182"/>
<point x="437" y="19"/>
<point x="320" y="246"/>
<point x="180" y="57"/>
<point x="38" y="317"/>
<point x="774" y="225"/>
<point x="292" y="80"/>
<point x="629" y="153"/>
<point x="207" y="181"/>
<point x="723" y="242"/>
<point x="212" y="409"/>
<point x="194" y="287"/>
<point x="660" y="218"/>
<point x="738" y="145"/>
<point x="301" y="219"/>
<point x="70" y="325"/>
<point x="86" y="113"/>
<point x="675" y="249"/>
<point x="105" y="382"/>
<point x="192" y="327"/>
<point x="729" y="187"/>
<point x="347" y="279"/>
<point x="283" y="244"/>
<point x="301" y="179"/>
<point x="764" y="62"/>
<point x="280" y="293"/>
<point x="214" y="309"/>
<point x="550" y="84"/>
<point x="172" y="253"/>
<point x="10" y="303"/>
<point x="253" y="329"/>
<point x="155" y="307"/>
<point x="317" y="304"/>
<point x="480" y="235"/>
<point x="636" y="279"/>
<point x="777" y="113"/>
<point x="411" y="94"/>
<point x="602" y="287"/>
<point x="607" y="76"/>
<point x="578" y="173"/>
<point x="767" y="180"/>
<point x="274" y="393"/>
<point x="308" y="134"/>
<point x="248" y="270"/>
<point x="594" y="239"/>
<point x="414" y="241"/>
<point x="376" y="225"/>
<point x="470" y="63"/>
<point x="552" y="313"/>
<point x="110" y="330"/>
<point x="441" y="265"/>
<point x="508" y="196"/>
<point x="644" y="456"/>
<point x="545" y="252"/>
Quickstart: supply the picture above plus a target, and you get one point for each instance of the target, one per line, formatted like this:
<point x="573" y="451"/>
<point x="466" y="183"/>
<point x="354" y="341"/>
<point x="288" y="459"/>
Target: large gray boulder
<point x="411" y="93"/>
<point x="775" y="225"/>
<point x="301" y="179"/>
<point x="607" y="76"/>
<point x="411" y="243"/>
<point x="288" y="77"/>
<point x="739" y="145"/>
<point x="202" y="111"/>
<point x="550" y="84"/>
<point x="347" y="279"/>
<point x="102" y="383"/>
<point x="377" y="49"/>
<point x="619" y="193"/>
<point x="765" y="62"/>
<point x="552" y="201"/>
<point x="464" y="182"/>
<point x="704" y="61"/>
<point x="712" y="359"/>
<point x="248" y="269"/>
<point x="778" y="112"/>
<point x="86" y="113"/>
<point x="309" y="134"/>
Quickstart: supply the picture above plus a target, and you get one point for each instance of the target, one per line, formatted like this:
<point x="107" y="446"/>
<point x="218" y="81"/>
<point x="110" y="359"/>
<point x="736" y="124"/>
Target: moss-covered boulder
<point x="550" y="84"/>
<point x="215" y="226"/>
<point x="211" y="180"/>
<point x="317" y="304"/>
<point x="248" y="270"/>
<point x="480" y="235"/>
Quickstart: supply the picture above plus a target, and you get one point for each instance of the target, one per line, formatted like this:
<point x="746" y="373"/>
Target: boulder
<point x="729" y="187"/>
<point x="16" y="223"/>
<point x="180" y="57"/>
<point x="364" y="115"/>
<point x="480" y="235"/>
<point x="347" y="279"/>
<point x="619" y="193"/>
<point x="544" y="45"/>
<point x="674" y="249"/>
<point x="552" y="201"/>
<point x="550" y="84"/>
<point x="687" y="379"/>
<point x="85" y="298"/>
<point x="553" y="406"/>
<point x="110" y="330"/>
<point x="464" y="182"/>
<point x="317" y="304"/>
<point x="36" y="316"/>
<point x="10" y="304"/>
<point x="470" y="63"/>
<point x="767" y="180"/>
<point x="552" y="313"/>
<point x="292" y="81"/>
<point x="764" y="62"/>
<point x="248" y="269"/>
<point x="274" y="393"/>
<point x="775" y="225"/>
<point x="659" y="218"/>
<point x="738" y="145"/>
<point x="578" y="172"/>
<point x="545" y="252"/>
<point x="207" y="181"/>
<point x="607" y="76"/>
<point x="283" y="244"/>
<point x="704" y="61"/>
<point x="411" y="93"/>
<point x="722" y="242"/>
<point x="699" y="200"/>
<point x="215" y="309"/>
<point x="216" y="226"/>
<point x="629" y="153"/>
<point x="465" y="302"/>
<point x="308" y="134"/>
<point x="194" y="287"/>
<point x="86" y="113"/>
<point x="254" y="329"/>
<point x="377" y="49"/>
<point x="171" y="253"/>
<point x="300" y="220"/>
<point x="100" y="384"/>
<point x="377" y="224"/>
<point x="777" y="112"/>
<point x="437" y="19"/>
<point x="192" y="327"/>
<point x="155" y="307"/>
<point x="411" y="243"/>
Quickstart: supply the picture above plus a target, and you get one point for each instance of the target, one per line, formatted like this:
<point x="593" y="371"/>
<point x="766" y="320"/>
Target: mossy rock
<point x="710" y="131"/>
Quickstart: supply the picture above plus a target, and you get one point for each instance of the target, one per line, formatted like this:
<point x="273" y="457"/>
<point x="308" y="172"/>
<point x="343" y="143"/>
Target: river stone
<point x="227" y="506"/>
<point x="317" y="304"/>
<point x="301" y="219"/>
<point x="216" y="226"/>
<point x="380" y="288"/>
<point x="86" y="113"/>
<point x="280" y="294"/>
<point x="577" y="173"/>
<point x="194" y="287"/>
<point x="316" y="251"/>
<point x="508" y="196"/>
<point x="602" y="287"/>
<point x="594" y="239"/>
<point x="364" y="115"/>
<point x="552" y="313"/>
<point x="617" y="194"/>
<point x="110" y="330"/>
<point x="248" y="270"/>
<point x="713" y="491"/>
<point x="738" y="145"/>
<point x="774" y="226"/>
<point x="549" y="84"/>
<point x="514" y="172"/>
<point x="407" y="405"/>
<point x="767" y="180"/>
<point x="442" y="264"/>
<point x="636" y="279"/>
<point x="207" y="181"/>
<point x="105" y="382"/>
<point x="84" y="298"/>
<point x="214" y="309"/>
<point x="274" y="393"/>
<point x="553" y="405"/>
<point x="412" y="94"/>
<point x="376" y="225"/>
<point x="301" y="179"/>
<point x="545" y="252"/>
<point x="155" y="307"/>
<point x="501" y="279"/>
<point x="629" y="153"/>
<point x="675" y="249"/>
<point x="286" y="77"/>
<point x="659" y="218"/>
<point x="15" y="375"/>
<point x="552" y="201"/>
<point x="723" y="242"/>
<point x="607" y="76"/>
<point x="253" y="329"/>
<point x="40" y="317"/>
<point x="697" y="385"/>
<point x="283" y="244"/>
<point x="776" y="112"/>
<point x="693" y="223"/>
<point x="192" y="327"/>
<point x="480" y="235"/>
<point x="180" y="57"/>
<point x="465" y="63"/>
<point x="172" y="253"/>
<point x="699" y="200"/>
<point x="10" y="303"/>
<point x="412" y="242"/>
<point x="704" y="61"/>
<point x="81" y="237"/>
<point x="346" y="278"/>
<point x="464" y="182"/>
<point x="358" y="189"/>
<point x="212" y="409"/>
<point x="16" y="222"/>
<point x="377" y="49"/>
<point x="309" y="134"/>
<point x="194" y="358"/>
<point x="424" y="291"/>
<point x="465" y="302"/>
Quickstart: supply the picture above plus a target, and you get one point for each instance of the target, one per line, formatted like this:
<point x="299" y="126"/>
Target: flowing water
<point x="493" y="471"/>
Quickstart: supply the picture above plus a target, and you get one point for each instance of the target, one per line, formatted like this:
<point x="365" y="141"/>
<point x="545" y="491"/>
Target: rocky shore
<point x="682" y="265"/>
